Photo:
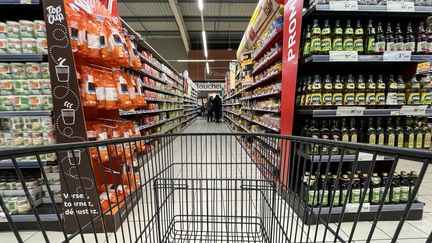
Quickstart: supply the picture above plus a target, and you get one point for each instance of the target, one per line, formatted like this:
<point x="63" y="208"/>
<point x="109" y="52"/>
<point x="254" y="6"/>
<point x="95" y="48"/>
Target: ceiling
<point x="225" y="20"/>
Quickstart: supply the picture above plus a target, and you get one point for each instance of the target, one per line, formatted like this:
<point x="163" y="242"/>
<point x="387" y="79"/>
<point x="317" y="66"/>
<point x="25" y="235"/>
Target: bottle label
<point x="349" y="99"/>
<point x="413" y="99"/>
<point x="409" y="46"/>
<point x="401" y="98"/>
<point x="344" y="195"/>
<point x="328" y="86"/>
<point x="429" y="47"/>
<point x="312" y="198"/>
<point x="315" y="45"/>
<point x="392" y="99"/>
<point x="371" y="44"/>
<point x="355" y="196"/>
<point x="358" y="45"/>
<point x="336" y="197"/>
<point x="411" y="140"/>
<point x="381" y="85"/>
<point x="391" y="140"/>
<point x="395" y="195"/>
<point x="427" y="140"/>
<point x="350" y="86"/>
<point x="345" y="138"/>
<point x="316" y="31"/>
<point x="371" y="86"/>
<point x="308" y="100"/>
<point x="337" y="44"/>
<point x="404" y="193"/>
<point x="348" y="44"/>
<point x="326" y="44"/>
<point x="380" y="46"/>
<point x="323" y="197"/>
<point x="400" y="140"/>
<point x="316" y="99"/>
<point x="361" y="86"/>
<point x="370" y="99"/>
<point x="316" y="86"/>
<point x="380" y="99"/>
<point x="387" y="198"/>
<point x="337" y="99"/>
<point x="419" y="140"/>
<point x="426" y="98"/>
<point x="376" y="192"/>
<point x="354" y="138"/>
<point x="306" y="49"/>
<point x="100" y="93"/>
<point x="399" y="46"/>
<point x="360" y="98"/>
<point x="338" y="86"/>
<point x="390" y="46"/>
<point x="372" y="139"/>
<point x="381" y="139"/>
<point x="422" y="46"/>
<point x="327" y="99"/>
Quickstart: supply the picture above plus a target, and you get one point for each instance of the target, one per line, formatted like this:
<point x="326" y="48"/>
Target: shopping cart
<point x="215" y="188"/>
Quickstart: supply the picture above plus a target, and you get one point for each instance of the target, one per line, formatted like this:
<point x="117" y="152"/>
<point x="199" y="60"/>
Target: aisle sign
<point x="343" y="56"/>
<point x="350" y="111"/>
<point x="419" y="110"/>
<point x="397" y="56"/>
<point x="346" y="5"/>
<point x="400" y="6"/>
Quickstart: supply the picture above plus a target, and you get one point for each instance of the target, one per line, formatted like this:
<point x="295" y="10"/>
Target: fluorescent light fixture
<point x="200" y="5"/>
<point x="197" y="60"/>
<point x="208" y="67"/>
<point x="205" y="43"/>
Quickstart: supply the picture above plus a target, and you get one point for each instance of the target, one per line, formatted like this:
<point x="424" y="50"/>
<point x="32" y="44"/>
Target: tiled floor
<point x="240" y="201"/>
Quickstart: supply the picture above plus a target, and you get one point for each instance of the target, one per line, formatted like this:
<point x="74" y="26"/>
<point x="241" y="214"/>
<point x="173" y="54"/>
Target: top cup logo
<point x="54" y="14"/>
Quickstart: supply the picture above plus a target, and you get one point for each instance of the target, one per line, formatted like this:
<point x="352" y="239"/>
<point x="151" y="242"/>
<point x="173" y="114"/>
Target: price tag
<point x="353" y="207"/>
<point x="25" y="1"/>
<point x="350" y="111"/>
<point x="396" y="56"/>
<point x="369" y="157"/>
<point x="400" y="6"/>
<point x="413" y="110"/>
<point x="343" y="56"/>
<point x="343" y="5"/>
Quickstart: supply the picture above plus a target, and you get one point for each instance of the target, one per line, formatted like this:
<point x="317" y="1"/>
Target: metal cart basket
<point x="211" y="188"/>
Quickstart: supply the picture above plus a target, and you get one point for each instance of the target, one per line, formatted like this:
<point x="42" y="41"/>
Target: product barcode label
<point x="400" y="6"/>
<point x="407" y="110"/>
<point x="368" y="157"/>
<point x="350" y="111"/>
<point x="25" y="1"/>
<point x="396" y="56"/>
<point x="343" y="56"/>
<point x="343" y="5"/>
<point x="353" y="207"/>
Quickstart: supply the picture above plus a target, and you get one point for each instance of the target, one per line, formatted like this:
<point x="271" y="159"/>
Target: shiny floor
<point x="412" y="232"/>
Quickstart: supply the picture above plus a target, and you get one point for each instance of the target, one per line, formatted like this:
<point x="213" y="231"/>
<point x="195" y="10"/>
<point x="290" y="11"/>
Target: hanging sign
<point x="209" y="86"/>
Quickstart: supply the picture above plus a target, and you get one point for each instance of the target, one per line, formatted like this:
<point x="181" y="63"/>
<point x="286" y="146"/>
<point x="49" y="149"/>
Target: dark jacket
<point x="217" y="103"/>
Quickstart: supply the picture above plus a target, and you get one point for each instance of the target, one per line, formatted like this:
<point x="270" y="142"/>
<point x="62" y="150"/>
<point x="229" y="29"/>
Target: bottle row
<point x="321" y="40"/>
<point x="394" y="90"/>
<point x="330" y="191"/>
<point x="395" y="132"/>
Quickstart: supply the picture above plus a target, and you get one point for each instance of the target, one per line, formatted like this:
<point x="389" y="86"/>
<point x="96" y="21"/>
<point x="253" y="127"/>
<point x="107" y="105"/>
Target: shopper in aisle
<point x="210" y="110"/>
<point x="217" y="107"/>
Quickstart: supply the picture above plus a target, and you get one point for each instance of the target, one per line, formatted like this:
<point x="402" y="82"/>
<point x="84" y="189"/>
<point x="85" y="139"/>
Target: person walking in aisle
<point x="210" y="109"/>
<point x="217" y="107"/>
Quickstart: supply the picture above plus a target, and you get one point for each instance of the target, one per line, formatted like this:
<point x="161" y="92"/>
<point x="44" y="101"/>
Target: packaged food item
<point x="111" y="94"/>
<point x="41" y="46"/>
<point x="27" y="138"/>
<point x="39" y="28"/>
<point x="16" y="124"/>
<point x="37" y="138"/>
<point x="100" y="88"/>
<point x="46" y="124"/>
<point x="35" y="102"/>
<point x="3" y="45"/>
<point x="33" y="70"/>
<point x="77" y="28"/>
<point x="123" y="91"/>
<point x="88" y="87"/>
<point x="17" y="70"/>
<point x="6" y="87"/>
<point x="11" y="205"/>
<point x="28" y="45"/>
<point x="5" y="72"/>
<point x="23" y="205"/>
<point x="21" y="103"/>
<point x="47" y="103"/>
<point x="18" y="87"/>
<point x="14" y="46"/>
<point x="26" y="28"/>
<point x="3" y="30"/>
<point x="27" y="124"/>
<point x="46" y="87"/>
<point x="7" y="103"/>
<point x="45" y="72"/>
<point x="13" y="29"/>
<point x="120" y="55"/>
<point x="35" y="86"/>
<point x="18" y="139"/>
<point x="93" y="40"/>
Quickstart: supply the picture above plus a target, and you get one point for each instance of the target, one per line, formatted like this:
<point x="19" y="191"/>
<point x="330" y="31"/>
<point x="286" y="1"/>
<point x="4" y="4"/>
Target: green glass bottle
<point x="337" y="44"/>
<point x="315" y="38"/>
<point x="326" y="41"/>
<point x="307" y="45"/>
<point x="348" y="41"/>
<point x="359" y="38"/>
<point x="370" y="38"/>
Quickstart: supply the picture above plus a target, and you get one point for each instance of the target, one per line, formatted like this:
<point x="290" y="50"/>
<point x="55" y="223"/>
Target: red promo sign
<point x="111" y="5"/>
<point x="291" y="54"/>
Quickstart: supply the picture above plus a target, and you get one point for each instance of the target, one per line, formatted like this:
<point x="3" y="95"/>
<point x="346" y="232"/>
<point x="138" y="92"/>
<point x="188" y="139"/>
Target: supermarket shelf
<point x="24" y="113"/>
<point x="190" y="105"/>
<point x="19" y="2"/>
<point x="152" y="88"/>
<point x="8" y="164"/>
<point x="128" y="113"/>
<point x="188" y="110"/>
<point x="366" y="112"/>
<point x="232" y="104"/>
<point x="163" y="100"/>
<point x="187" y="100"/>
<point x="363" y="157"/>
<point x="363" y="58"/>
<point x="264" y="80"/>
<point x="260" y="110"/>
<point x="156" y="123"/>
<point x="261" y="95"/>
<point x="148" y="75"/>
<point x="232" y="112"/>
<point x="274" y="57"/>
<point x="364" y="9"/>
<point x="21" y="57"/>
<point x="261" y="124"/>
<point x="234" y="95"/>
<point x="277" y="36"/>
<point x="235" y="123"/>
<point x="156" y="68"/>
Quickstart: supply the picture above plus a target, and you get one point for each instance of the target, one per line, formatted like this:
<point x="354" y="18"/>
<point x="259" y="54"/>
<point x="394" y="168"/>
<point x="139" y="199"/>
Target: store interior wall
<point x="171" y="49"/>
<point x="197" y="71"/>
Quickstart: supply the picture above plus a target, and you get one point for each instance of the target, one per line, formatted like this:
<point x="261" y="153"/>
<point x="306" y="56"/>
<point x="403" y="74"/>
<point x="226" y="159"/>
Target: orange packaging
<point x="135" y="92"/>
<point x="102" y="135"/>
<point x="133" y="54"/>
<point x="119" y="53"/>
<point x="106" y="49"/>
<point x="93" y="38"/>
<point x="125" y="102"/>
<point x="111" y="94"/>
<point x="88" y="87"/>
<point x="100" y="88"/>
<point x="77" y="28"/>
<point x="104" y="202"/>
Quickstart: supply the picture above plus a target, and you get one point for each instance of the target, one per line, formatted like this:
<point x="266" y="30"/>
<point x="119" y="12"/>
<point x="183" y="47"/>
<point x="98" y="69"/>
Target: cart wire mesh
<point x="212" y="188"/>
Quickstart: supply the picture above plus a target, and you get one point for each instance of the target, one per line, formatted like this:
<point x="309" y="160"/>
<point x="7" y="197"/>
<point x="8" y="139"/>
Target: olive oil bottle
<point x="308" y="100"/>
<point x="326" y="41"/>
<point x="349" y="96"/>
<point x="390" y="133"/>
<point x="380" y="97"/>
<point x="409" y="39"/>
<point x="325" y="134"/>
<point x="380" y="44"/>
<point x="315" y="38"/>
<point x="418" y="133"/>
<point x="370" y="40"/>
<point x="404" y="187"/>
<point x="413" y="92"/>
<point x="334" y="191"/>
<point x="348" y="41"/>
<point x="425" y="90"/>
<point x="392" y="92"/>
<point x="360" y="92"/>
<point x="327" y="93"/>
<point x="335" y="135"/>
<point x="401" y="99"/>
<point x="398" y="38"/>
<point x="409" y="134"/>
<point x="380" y="132"/>
<point x="375" y="189"/>
<point x="390" y="44"/>
<point x="323" y="192"/>
<point x="337" y="44"/>
<point x="384" y="180"/>
<point x="307" y="45"/>
<point x="371" y="132"/>
<point x="427" y="134"/>
<point x="370" y="91"/>
<point x="314" y="133"/>
<point x="345" y="133"/>
<point x="338" y="87"/>
<point x="399" y="132"/>
<point x="395" y="189"/>
<point x="359" y="38"/>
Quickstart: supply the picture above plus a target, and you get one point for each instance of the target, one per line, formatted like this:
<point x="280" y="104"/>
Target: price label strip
<point x="350" y="111"/>
<point x="397" y="56"/>
<point x="353" y="207"/>
<point x="343" y="56"/>
<point x="343" y="5"/>
<point x="25" y="1"/>
<point x="407" y="110"/>
<point x="368" y="157"/>
<point x="400" y="6"/>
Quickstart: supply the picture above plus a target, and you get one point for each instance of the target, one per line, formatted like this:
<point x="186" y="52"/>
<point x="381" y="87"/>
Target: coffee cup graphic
<point x="68" y="116"/>
<point x="74" y="157"/>
<point x="62" y="71"/>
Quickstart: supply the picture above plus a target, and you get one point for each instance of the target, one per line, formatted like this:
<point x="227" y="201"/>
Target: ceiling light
<point x="205" y="43"/>
<point x="208" y="67"/>
<point x="197" y="60"/>
<point x="200" y="5"/>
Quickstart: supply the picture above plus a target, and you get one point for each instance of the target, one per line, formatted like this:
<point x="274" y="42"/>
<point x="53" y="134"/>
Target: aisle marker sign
<point x="397" y="56"/>
<point x="400" y="6"/>
<point x="343" y="5"/>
